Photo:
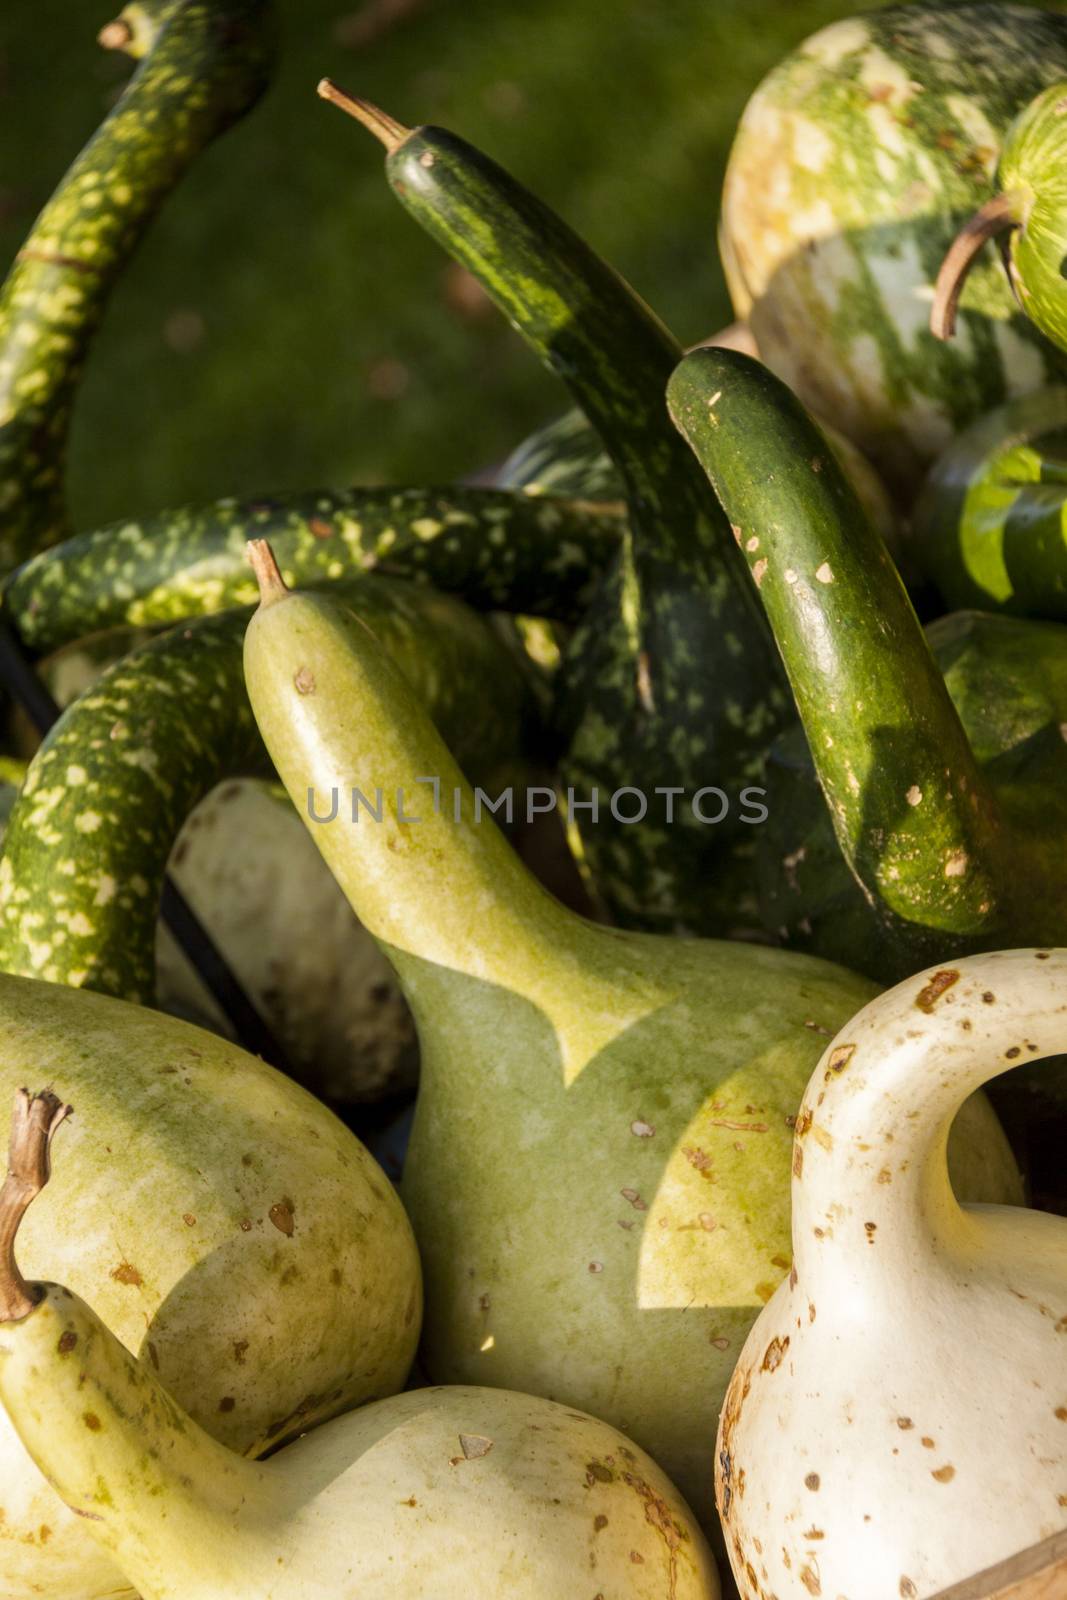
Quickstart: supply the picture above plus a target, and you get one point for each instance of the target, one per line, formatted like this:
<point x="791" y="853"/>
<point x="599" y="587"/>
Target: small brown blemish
<point x="126" y="1273"/>
<point x="597" y="1472"/>
<point x="410" y="1502"/>
<point x="988" y="998"/>
<point x="304" y="681"/>
<point x="67" y="1341"/>
<point x="814" y="1533"/>
<point x="599" y="1522"/>
<point x="189" y="1220"/>
<point x="240" y="1347"/>
<point x="637" y="1558"/>
<point x="928" y="996"/>
<point x="798" y="1160"/>
<point x="227" y="1403"/>
<point x="943" y="1474"/>
<point x="810" y="1579"/>
<point x="92" y="1421"/>
<point x="759" y="569"/>
<point x="774" y="1355"/>
<point x="927" y="1442"/>
<point x="1060" y="1413"/>
<point x="840" y="1056"/>
<point x="812" y="1481"/>
<point x="1010" y="1055"/>
<point x="870" y="1229"/>
<point x="246" y="1224"/>
<point x="905" y="1423"/>
<point x="908" y="1589"/>
<point x="282" y="1216"/>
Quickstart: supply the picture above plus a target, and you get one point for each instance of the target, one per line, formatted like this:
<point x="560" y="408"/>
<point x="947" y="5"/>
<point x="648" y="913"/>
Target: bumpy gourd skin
<point x="671" y="678"/>
<point x="233" y="1234"/>
<point x="1033" y="171"/>
<point x="207" y="66"/>
<point x="988" y="528"/>
<point x="511" y="552"/>
<point x="951" y="822"/>
<point x="599" y="1168"/>
<point x="104" y="798"/>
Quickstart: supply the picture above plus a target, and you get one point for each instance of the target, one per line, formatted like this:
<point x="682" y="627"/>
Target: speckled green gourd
<point x="671" y="678"/>
<point x="855" y="162"/>
<point x="442" y="1492"/>
<point x="948" y="799"/>
<point x="230" y="1230"/>
<point x="989" y="526"/>
<point x="206" y="67"/>
<point x="1029" y="213"/>
<point x="599" y="1169"/>
<point x="89" y="837"/>
<point x="509" y="552"/>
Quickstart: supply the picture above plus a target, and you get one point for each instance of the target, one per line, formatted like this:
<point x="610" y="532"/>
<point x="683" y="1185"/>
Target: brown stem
<point x="998" y="213"/>
<point x="115" y="35"/>
<point x="383" y="126"/>
<point x="272" y="586"/>
<point x="33" y="1126"/>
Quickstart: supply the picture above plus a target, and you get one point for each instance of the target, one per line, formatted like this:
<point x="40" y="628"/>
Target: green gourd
<point x="1030" y="208"/>
<point x="988" y="527"/>
<point x="599" y="1168"/>
<point x="511" y="552"/>
<point x="115" y="779"/>
<point x="949" y="804"/>
<point x="206" y="67"/>
<point x="205" y="1204"/>
<point x="671" y="672"/>
<point x="436" y="1494"/>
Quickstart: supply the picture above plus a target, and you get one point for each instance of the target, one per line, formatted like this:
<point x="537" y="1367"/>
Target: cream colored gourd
<point x="232" y="1232"/>
<point x="437" y="1494"/>
<point x="599" y="1169"/>
<point x="898" y="1418"/>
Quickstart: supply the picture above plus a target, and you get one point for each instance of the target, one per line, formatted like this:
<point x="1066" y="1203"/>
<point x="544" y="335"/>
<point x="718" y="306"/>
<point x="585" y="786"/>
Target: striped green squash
<point x="855" y="163"/>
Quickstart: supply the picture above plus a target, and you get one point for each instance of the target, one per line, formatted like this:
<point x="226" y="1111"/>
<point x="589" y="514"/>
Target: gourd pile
<point x="686" y="810"/>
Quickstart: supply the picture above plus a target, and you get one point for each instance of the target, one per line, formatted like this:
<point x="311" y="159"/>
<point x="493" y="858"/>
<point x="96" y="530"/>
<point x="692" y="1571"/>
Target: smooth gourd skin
<point x="988" y="528"/>
<point x="203" y="1203"/>
<point x="897" y="1418"/>
<point x="671" y="672"/>
<point x="104" y="799"/>
<point x="500" y="551"/>
<point x="598" y="1171"/>
<point x="436" y="1494"/>
<point x="1033" y="170"/>
<point x="206" y="66"/>
<point x="949" y="817"/>
<point x="854" y="164"/>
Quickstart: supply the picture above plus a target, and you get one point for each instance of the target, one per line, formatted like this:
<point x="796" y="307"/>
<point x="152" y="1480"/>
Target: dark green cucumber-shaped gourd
<point x="501" y="551"/>
<point x="671" y="679"/>
<point x="988" y="528"/>
<point x="88" y="839"/>
<point x="1029" y="213"/>
<point x="955" y="846"/>
<point x="207" y="66"/>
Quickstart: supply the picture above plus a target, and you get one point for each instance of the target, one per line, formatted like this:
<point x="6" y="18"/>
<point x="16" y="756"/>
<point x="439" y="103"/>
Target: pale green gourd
<point x="205" y="1202"/>
<point x="437" y="1494"/>
<point x="599" y="1169"/>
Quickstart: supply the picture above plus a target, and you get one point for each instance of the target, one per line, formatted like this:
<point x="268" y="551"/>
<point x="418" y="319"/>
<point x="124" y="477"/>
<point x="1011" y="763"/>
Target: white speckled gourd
<point x="898" y="1418"/>
<point x="437" y="1494"/>
<point x="599" y="1169"/>
<point x="203" y="1202"/>
<point x="854" y="163"/>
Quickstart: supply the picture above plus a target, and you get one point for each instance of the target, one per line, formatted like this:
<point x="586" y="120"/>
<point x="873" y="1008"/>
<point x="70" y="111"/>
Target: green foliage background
<point x="286" y="324"/>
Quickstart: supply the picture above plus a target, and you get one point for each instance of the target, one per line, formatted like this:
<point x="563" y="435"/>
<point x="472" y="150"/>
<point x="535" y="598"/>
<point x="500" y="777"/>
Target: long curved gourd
<point x="1030" y="212"/>
<point x="433" y="1495"/>
<point x="599" y="1163"/>
<point x="955" y="845"/>
<point x="854" y="162"/>
<point x="502" y="551"/>
<point x="88" y="839"/>
<point x="854" y="1452"/>
<point x="206" y="67"/>
<point x="672" y="675"/>
<point x="988" y="526"/>
<point x="216" y="1204"/>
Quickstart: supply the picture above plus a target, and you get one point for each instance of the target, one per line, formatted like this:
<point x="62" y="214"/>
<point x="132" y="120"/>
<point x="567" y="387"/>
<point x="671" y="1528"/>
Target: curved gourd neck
<point x="150" y="1485"/>
<point x="872" y="1201"/>
<point x="414" y="848"/>
<point x="910" y="805"/>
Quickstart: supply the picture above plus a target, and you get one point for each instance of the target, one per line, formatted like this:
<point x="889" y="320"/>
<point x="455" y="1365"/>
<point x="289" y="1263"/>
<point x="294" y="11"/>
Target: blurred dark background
<point x="287" y="324"/>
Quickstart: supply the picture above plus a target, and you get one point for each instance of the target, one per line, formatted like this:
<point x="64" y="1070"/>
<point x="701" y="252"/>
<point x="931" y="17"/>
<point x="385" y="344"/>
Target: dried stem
<point x="33" y="1126"/>
<point x="997" y="214"/>
<point x="383" y="126"/>
<point x="272" y="586"/>
<point x="115" y="35"/>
